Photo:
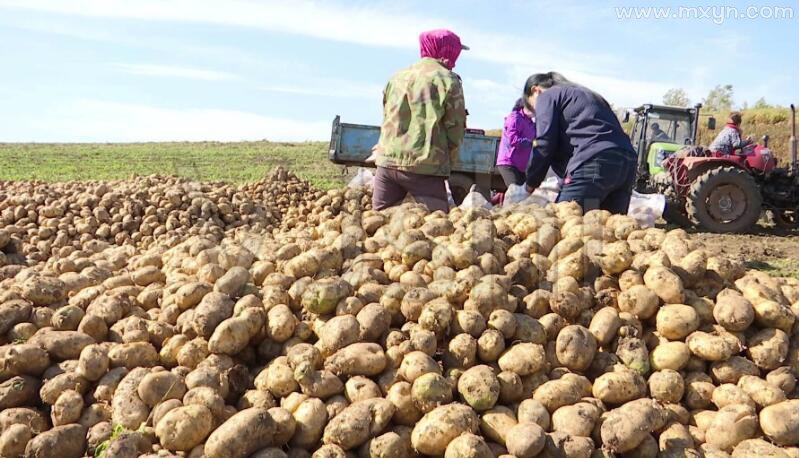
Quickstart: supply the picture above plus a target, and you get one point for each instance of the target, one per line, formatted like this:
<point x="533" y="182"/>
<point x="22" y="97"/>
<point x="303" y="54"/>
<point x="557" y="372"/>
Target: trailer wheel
<point x="724" y="199"/>
<point x="459" y="185"/>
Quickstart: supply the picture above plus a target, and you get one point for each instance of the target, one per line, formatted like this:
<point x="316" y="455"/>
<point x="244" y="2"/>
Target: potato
<point x="665" y="283"/>
<point x="67" y="408"/>
<point x="461" y="352"/>
<point x="757" y="447"/>
<point x="310" y="417"/>
<point x="768" y="348"/>
<point x="359" y="388"/>
<point x="241" y="435"/>
<point x="358" y="422"/>
<point x="468" y="446"/>
<point x="763" y="393"/>
<point x="666" y="386"/>
<point x="479" y="387"/>
<point x="731" y="425"/>
<point x="731" y="370"/>
<point x="433" y="433"/>
<point x="676" y="321"/>
<point x="555" y="394"/>
<point x="406" y="412"/>
<point x="157" y="387"/>
<point x="633" y="353"/>
<point x="713" y="347"/>
<point x="670" y="355"/>
<point x="12" y="313"/>
<point x="190" y="294"/>
<point x="415" y="364"/>
<point x="526" y="440"/>
<point x="533" y="411"/>
<point x="604" y="325"/>
<point x="322" y="295"/>
<point x="32" y="418"/>
<point x="620" y="386"/>
<point x="783" y="378"/>
<point x="69" y="440"/>
<point x="496" y="422"/>
<point x="430" y="391"/>
<point x="627" y="426"/>
<point x="360" y="358"/>
<point x="733" y="311"/>
<point x="23" y="359"/>
<point x="62" y="344"/>
<point x="14" y="439"/>
<point x="576" y="420"/>
<point x="183" y="428"/>
<point x="779" y="423"/>
<point x="132" y="355"/>
<point x="213" y="309"/>
<point x="523" y="359"/>
<point x="575" y="347"/>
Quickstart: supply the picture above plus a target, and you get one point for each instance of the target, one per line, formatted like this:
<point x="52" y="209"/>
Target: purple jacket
<point x="517" y="140"/>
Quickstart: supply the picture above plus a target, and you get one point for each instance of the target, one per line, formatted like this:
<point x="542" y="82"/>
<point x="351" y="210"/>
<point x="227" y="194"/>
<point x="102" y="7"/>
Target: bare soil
<point x="765" y="249"/>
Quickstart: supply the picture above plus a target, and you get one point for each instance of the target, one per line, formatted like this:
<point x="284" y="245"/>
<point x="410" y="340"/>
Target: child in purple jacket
<point x="516" y="144"/>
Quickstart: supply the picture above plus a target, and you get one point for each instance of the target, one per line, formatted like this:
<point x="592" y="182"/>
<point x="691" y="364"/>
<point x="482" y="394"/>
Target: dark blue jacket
<point x="573" y="125"/>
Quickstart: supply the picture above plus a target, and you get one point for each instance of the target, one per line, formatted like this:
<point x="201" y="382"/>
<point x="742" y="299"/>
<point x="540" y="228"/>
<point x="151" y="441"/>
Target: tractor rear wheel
<point x="725" y="199"/>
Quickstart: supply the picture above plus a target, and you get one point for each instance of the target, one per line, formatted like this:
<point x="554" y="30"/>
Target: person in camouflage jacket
<point x="424" y="120"/>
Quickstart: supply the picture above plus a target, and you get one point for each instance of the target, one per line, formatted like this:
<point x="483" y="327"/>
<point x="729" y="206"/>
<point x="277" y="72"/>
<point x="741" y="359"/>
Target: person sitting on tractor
<point x="580" y="137"/>
<point x="658" y="135"/>
<point x="424" y="121"/>
<point x="516" y="145"/>
<point x="729" y="139"/>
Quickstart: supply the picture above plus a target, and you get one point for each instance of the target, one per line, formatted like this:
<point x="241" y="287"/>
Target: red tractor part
<point x="720" y="191"/>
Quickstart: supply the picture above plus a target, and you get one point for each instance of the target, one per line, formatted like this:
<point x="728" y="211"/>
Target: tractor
<point x="715" y="192"/>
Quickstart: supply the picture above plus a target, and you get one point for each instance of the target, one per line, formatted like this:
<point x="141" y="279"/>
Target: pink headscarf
<point x="441" y="44"/>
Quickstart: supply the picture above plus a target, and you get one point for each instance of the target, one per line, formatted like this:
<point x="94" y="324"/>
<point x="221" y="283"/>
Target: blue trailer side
<point x="351" y="144"/>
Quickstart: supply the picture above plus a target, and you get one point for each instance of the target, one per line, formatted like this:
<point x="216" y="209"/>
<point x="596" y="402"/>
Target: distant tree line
<point x="719" y="99"/>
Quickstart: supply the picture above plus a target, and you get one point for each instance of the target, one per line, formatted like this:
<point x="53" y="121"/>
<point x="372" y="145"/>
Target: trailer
<point x="351" y="145"/>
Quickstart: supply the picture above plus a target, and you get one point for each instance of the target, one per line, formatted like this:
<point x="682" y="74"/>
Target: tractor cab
<point x="659" y="131"/>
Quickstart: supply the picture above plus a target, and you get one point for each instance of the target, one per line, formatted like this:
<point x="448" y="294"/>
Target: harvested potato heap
<point x="53" y="219"/>
<point x="524" y="333"/>
<point x="282" y="190"/>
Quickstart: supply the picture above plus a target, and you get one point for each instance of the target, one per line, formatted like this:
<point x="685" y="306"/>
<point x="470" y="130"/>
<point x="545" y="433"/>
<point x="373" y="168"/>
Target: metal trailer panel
<point x="351" y="144"/>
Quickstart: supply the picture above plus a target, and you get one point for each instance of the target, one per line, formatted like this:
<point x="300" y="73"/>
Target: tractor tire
<point x="725" y="199"/>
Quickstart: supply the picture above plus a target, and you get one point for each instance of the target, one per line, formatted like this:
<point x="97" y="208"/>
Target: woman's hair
<point x="520" y="103"/>
<point x="735" y="117"/>
<point x="544" y="80"/>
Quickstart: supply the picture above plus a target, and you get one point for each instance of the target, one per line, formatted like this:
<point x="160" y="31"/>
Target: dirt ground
<point x="765" y="249"/>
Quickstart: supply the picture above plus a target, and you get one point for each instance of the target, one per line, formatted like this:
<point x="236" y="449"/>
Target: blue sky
<point x="155" y="70"/>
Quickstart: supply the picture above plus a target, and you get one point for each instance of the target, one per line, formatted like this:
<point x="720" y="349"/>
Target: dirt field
<point x="766" y="250"/>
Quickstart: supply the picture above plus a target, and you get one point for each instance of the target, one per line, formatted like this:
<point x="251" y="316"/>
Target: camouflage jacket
<point x="424" y="119"/>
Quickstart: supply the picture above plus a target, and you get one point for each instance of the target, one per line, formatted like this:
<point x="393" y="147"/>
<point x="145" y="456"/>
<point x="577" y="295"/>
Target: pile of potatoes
<point x="43" y="220"/>
<point x="282" y="191"/>
<point x="347" y="332"/>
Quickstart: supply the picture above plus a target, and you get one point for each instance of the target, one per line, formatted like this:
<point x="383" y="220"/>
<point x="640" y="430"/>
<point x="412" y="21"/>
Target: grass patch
<point x="777" y="267"/>
<point x="207" y="161"/>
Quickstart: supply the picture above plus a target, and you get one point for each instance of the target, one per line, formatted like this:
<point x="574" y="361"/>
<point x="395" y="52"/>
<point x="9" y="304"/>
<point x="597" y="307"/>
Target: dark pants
<point x="511" y="175"/>
<point x="605" y="181"/>
<point x="391" y="186"/>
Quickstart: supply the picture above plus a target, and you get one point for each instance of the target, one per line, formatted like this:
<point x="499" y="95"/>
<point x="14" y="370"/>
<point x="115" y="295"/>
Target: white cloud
<point x="328" y="88"/>
<point x="101" y="121"/>
<point x="174" y="72"/>
<point x="370" y="26"/>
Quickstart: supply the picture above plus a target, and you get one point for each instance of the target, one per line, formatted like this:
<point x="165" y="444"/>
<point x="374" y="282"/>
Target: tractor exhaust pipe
<point x="698" y="107"/>
<point x="792" y="141"/>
